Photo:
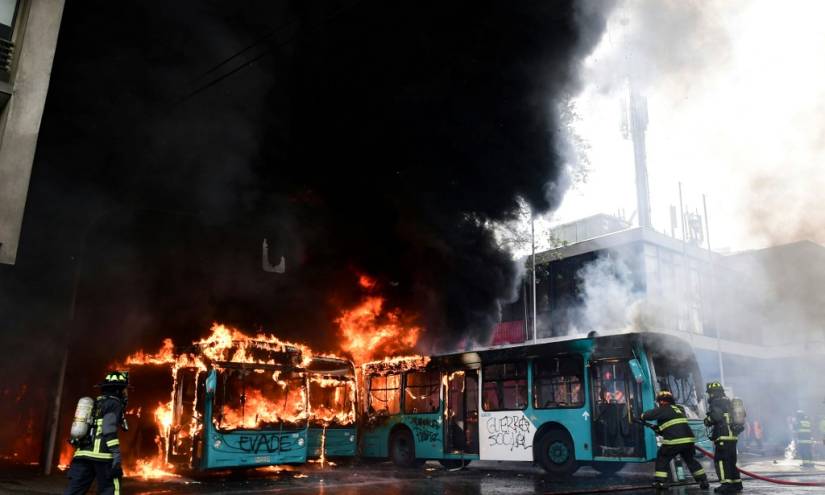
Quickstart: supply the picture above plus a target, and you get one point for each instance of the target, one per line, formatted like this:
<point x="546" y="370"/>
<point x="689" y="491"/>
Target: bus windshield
<point x="254" y="398"/>
<point x="331" y="401"/>
<point x="681" y="377"/>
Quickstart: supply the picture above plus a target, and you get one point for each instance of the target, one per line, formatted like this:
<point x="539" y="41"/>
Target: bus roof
<point x="614" y="344"/>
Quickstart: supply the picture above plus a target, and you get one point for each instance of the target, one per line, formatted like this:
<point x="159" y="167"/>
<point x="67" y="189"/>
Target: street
<point x="483" y="478"/>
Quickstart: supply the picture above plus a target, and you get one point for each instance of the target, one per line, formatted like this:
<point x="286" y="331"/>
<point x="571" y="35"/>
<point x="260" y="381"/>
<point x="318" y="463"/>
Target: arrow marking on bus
<point x="586" y="415"/>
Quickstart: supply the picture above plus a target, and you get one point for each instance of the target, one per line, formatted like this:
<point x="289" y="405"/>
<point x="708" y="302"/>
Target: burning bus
<point x="239" y="401"/>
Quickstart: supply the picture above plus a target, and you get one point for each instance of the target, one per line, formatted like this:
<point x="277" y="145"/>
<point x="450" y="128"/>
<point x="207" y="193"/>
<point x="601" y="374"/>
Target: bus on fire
<point x="562" y="403"/>
<point x="279" y="408"/>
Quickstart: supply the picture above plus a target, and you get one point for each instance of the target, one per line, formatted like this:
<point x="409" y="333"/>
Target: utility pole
<point x="635" y="122"/>
<point x="712" y="297"/>
<point x="533" y="263"/>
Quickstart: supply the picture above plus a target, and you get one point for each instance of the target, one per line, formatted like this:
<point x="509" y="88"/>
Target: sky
<point x="736" y="98"/>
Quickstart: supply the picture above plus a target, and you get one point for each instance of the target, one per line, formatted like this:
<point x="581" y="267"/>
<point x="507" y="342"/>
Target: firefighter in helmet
<point x="677" y="439"/>
<point x="804" y="438"/>
<point x="724" y="437"/>
<point x="97" y="456"/>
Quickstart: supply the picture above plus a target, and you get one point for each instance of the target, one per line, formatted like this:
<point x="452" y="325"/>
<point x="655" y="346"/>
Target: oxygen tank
<point x="82" y="418"/>
<point x="738" y="413"/>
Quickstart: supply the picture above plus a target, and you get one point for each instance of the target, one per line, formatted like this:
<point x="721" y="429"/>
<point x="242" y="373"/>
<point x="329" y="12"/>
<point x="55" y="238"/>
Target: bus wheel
<point x="556" y="455"/>
<point x="453" y="463"/>
<point x="402" y="449"/>
<point x="608" y="468"/>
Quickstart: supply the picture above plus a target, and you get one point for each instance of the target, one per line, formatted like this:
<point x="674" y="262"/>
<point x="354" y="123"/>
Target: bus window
<point x="557" y="382"/>
<point x="257" y="398"/>
<point x="385" y="394"/>
<point x="330" y="401"/>
<point x="680" y="379"/>
<point x="504" y="386"/>
<point x="422" y="392"/>
<point x="610" y="385"/>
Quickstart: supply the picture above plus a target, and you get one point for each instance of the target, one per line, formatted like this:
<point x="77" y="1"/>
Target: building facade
<point x="28" y="36"/>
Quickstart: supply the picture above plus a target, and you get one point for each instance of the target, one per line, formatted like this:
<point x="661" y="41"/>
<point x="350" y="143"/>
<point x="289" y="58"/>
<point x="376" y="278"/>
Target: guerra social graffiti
<point x="509" y="432"/>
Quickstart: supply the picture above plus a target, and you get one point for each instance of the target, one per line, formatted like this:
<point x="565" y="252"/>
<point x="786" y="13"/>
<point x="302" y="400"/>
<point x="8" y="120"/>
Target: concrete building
<point x="28" y="36"/>
<point x="756" y="317"/>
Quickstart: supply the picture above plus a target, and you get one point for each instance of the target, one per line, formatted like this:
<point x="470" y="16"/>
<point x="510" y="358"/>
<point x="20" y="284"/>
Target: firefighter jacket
<point x="719" y="420"/>
<point x="102" y="444"/>
<point x="673" y="424"/>
<point x="802" y="430"/>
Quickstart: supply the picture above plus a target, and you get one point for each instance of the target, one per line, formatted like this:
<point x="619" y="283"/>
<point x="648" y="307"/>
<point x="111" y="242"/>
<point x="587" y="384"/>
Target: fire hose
<point x="747" y="473"/>
<point x="764" y="478"/>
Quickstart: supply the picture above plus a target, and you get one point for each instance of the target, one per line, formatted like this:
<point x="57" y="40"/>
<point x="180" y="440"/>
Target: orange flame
<point x="368" y="331"/>
<point x="66" y="452"/>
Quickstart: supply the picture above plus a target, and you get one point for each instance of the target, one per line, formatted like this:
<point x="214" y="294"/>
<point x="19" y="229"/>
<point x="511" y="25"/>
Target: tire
<point x="608" y="468"/>
<point x="555" y="453"/>
<point x="402" y="449"/>
<point x="453" y="463"/>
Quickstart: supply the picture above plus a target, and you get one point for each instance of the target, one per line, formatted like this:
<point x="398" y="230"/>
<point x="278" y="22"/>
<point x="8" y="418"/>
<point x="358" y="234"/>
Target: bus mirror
<point x="211" y="382"/>
<point x="636" y="369"/>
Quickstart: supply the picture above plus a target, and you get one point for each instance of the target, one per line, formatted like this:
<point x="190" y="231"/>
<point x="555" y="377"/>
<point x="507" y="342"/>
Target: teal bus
<point x="562" y="403"/>
<point x="275" y="408"/>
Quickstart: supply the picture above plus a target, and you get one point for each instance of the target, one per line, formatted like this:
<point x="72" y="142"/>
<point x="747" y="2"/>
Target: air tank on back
<point x="82" y="418"/>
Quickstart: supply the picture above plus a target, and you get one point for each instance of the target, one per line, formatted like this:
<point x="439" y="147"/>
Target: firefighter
<point x="97" y="456"/>
<point x="723" y="435"/>
<point x="804" y="438"/>
<point x="677" y="439"/>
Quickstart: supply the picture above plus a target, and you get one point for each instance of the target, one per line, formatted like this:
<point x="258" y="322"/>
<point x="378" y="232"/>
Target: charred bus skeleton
<point x="256" y="403"/>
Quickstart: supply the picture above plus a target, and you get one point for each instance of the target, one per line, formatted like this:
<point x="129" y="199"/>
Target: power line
<point x="256" y="58"/>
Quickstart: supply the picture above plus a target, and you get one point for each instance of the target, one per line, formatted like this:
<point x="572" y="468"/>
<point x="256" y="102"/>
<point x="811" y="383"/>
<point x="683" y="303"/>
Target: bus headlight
<point x="301" y="442"/>
<point x="217" y="443"/>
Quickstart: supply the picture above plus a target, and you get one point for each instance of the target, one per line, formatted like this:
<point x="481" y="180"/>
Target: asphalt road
<point x="383" y="479"/>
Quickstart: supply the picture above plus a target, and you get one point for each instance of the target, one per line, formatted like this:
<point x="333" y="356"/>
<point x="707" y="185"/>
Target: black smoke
<point x="357" y="136"/>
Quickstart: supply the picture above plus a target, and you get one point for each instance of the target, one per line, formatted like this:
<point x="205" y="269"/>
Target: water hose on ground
<point x="764" y="478"/>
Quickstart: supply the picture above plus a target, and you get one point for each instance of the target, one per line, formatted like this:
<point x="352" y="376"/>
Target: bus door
<point x="461" y="412"/>
<point x="616" y="399"/>
<point x="184" y="416"/>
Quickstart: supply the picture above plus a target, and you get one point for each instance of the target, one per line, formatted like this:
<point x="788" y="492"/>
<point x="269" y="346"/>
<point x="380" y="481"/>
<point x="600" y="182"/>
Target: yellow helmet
<point x="665" y="396"/>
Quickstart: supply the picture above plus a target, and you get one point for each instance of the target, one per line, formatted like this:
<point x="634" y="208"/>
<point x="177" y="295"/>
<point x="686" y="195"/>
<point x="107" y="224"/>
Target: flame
<point x="369" y="331"/>
<point x="256" y="410"/>
<point x="150" y="469"/>
<point x="66" y="452"/>
<point x="268" y="397"/>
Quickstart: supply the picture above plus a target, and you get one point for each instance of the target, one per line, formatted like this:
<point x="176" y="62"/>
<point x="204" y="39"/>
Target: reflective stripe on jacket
<point x="97" y="446"/>
<point x="673" y="424"/>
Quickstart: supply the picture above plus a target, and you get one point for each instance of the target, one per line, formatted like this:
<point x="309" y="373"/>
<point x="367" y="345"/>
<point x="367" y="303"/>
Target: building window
<point x="8" y="17"/>
<point x="504" y="387"/>
<point x="421" y="392"/>
<point x="385" y="394"/>
<point x="557" y="382"/>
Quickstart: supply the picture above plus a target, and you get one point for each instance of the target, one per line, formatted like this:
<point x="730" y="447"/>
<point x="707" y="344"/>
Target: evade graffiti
<point x="425" y="429"/>
<point x="262" y="442"/>
<point x="510" y="432"/>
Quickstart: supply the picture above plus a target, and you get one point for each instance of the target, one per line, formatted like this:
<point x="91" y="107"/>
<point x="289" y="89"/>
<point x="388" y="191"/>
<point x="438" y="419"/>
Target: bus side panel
<point x="427" y="431"/>
<point x="506" y="436"/>
<point x="375" y="438"/>
<point x="337" y="442"/>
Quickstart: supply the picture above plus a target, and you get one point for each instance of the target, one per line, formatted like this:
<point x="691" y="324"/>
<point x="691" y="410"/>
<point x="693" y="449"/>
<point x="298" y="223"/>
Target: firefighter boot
<point x="660" y="486"/>
<point x="703" y="483"/>
<point x="725" y="488"/>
